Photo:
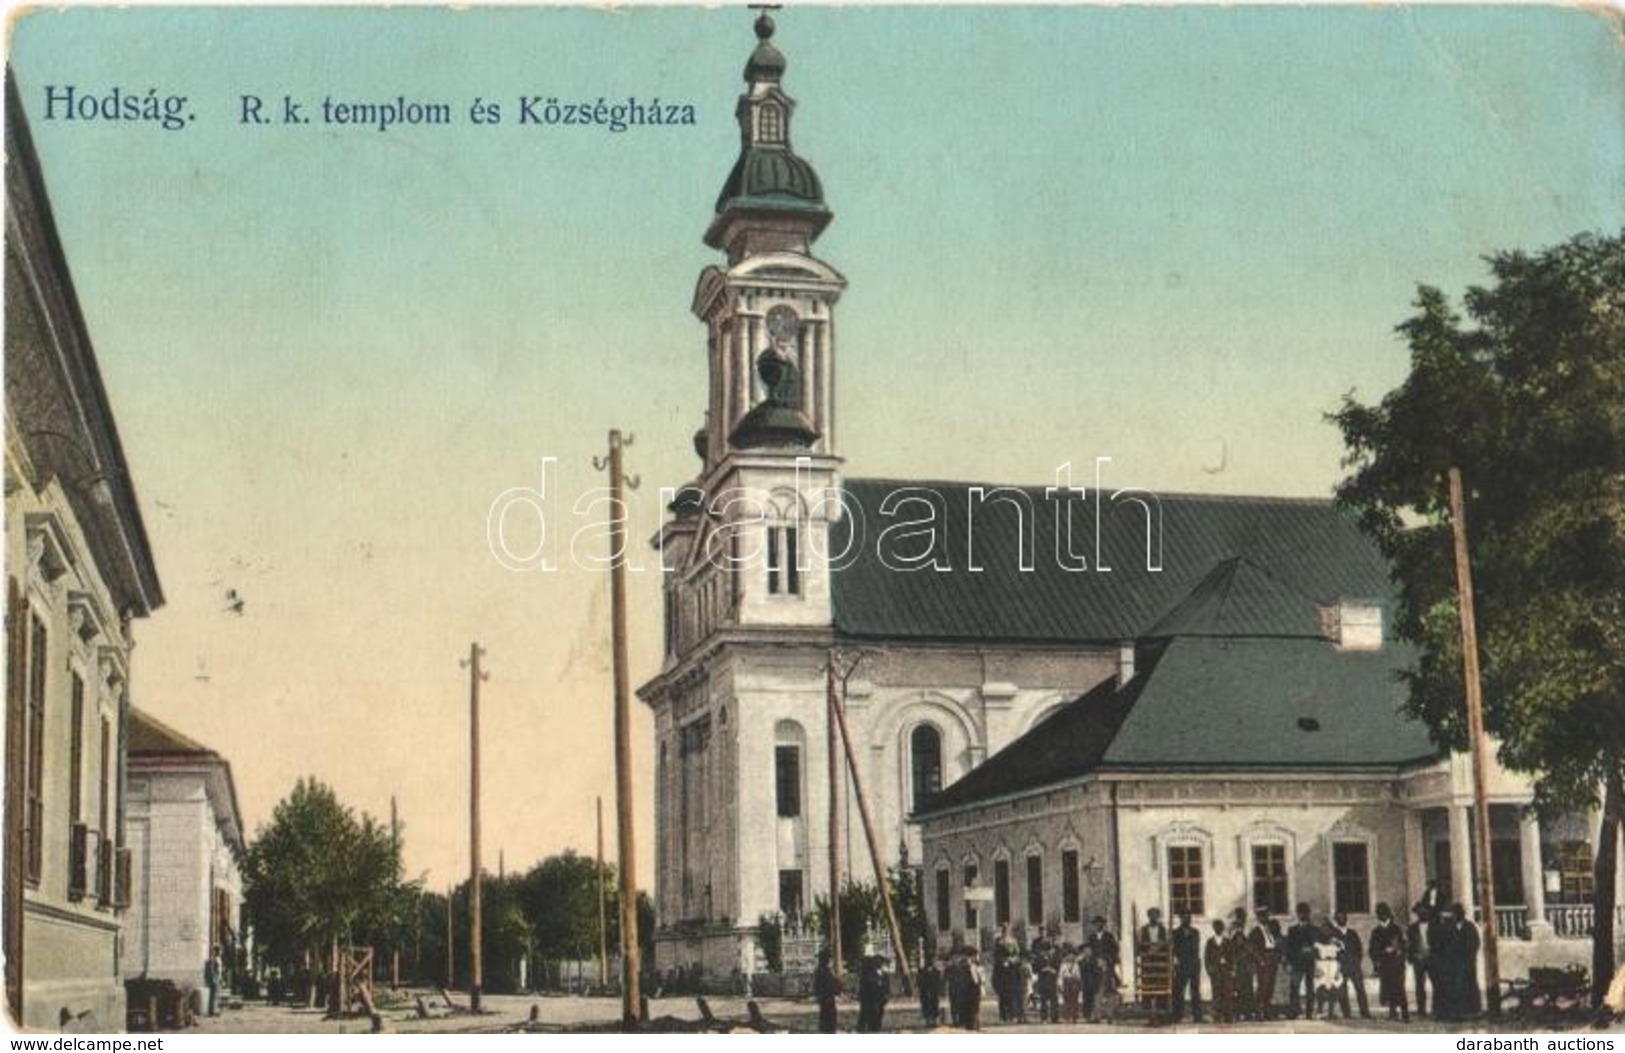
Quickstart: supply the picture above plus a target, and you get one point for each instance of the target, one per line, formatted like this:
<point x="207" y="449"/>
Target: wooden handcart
<point x="1154" y="980"/>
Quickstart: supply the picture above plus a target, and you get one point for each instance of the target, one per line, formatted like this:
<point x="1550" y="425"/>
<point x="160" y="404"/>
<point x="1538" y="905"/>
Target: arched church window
<point x="771" y="124"/>
<point x="925" y="760"/>
<point x="789" y="739"/>
<point x="783" y="561"/>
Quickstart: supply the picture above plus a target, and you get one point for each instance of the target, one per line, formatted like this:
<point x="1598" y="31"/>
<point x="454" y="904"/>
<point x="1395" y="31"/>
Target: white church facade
<point x="981" y="616"/>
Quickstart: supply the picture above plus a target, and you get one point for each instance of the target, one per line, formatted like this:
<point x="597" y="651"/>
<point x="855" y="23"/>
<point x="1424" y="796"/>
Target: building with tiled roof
<point x="1254" y="751"/>
<point x="79" y="575"/>
<point x="186" y="838"/>
<point x="1047" y="689"/>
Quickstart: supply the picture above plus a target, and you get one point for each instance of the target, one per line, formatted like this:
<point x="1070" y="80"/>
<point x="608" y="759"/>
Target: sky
<point x="1175" y="237"/>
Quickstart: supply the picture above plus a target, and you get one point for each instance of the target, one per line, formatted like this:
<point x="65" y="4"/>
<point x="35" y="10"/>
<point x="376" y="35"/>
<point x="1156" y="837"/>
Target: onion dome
<point x="766" y="62"/>
<point x="768" y="182"/>
<point x="777" y="420"/>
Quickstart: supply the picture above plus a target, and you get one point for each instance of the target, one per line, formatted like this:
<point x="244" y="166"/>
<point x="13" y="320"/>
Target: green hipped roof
<point x="1063" y="746"/>
<point x="1240" y="598"/>
<point x="1306" y="546"/>
<point x="1234" y="672"/>
<point x="1265" y="703"/>
<point x="1219" y="705"/>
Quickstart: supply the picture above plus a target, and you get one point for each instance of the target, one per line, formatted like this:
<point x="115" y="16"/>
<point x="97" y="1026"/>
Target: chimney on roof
<point x="1353" y="625"/>
<point x="1125" y="663"/>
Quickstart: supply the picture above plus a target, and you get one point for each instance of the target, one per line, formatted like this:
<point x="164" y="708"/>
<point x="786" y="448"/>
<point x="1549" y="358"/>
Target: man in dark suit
<point x="1221" y="974"/>
<point x="1387" y="948"/>
<point x="1243" y="966"/>
<point x="826" y="987"/>
<point x="1457" y="995"/>
<point x="1300" y="962"/>
<point x="1268" y="945"/>
<point x="1187" y="943"/>
<point x="1351" y="958"/>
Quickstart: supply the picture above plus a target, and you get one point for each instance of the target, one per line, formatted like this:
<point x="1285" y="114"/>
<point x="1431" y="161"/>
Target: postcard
<point x="917" y="516"/>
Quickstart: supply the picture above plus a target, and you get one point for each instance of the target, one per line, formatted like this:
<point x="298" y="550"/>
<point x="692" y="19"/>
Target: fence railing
<point x="1570" y="920"/>
<point x="801" y="944"/>
<point x="1575" y="919"/>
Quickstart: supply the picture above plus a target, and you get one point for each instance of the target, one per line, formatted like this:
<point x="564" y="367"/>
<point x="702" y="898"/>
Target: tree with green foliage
<point x="558" y="899"/>
<point x="862" y="912"/>
<point x="316" y="875"/>
<point x="770" y="938"/>
<point x="1526" y="396"/>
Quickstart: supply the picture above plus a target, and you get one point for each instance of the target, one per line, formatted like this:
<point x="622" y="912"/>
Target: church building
<point x="1224" y="658"/>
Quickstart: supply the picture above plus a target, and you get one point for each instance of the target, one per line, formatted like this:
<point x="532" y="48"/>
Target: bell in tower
<point x="770" y="308"/>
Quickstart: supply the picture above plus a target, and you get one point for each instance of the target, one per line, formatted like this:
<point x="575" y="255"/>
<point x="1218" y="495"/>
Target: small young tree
<point x="316" y="876"/>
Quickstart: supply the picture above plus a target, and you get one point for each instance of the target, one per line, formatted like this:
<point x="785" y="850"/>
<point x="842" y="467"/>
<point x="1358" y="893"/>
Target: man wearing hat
<point x="1187" y="942"/>
<point x="1243" y="965"/>
<point x="826" y="987"/>
<point x="874" y="990"/>
<point x="1267" y="944"/>
<point x="1387" y="949"/>
<point x="1221" y="973"/>
<point x="1300" y="962"/>
<point x="1352" y="960"/>
<point x="930" y="989"/>
<point x="1100" y="978"/>
<point x="956" y="978"/>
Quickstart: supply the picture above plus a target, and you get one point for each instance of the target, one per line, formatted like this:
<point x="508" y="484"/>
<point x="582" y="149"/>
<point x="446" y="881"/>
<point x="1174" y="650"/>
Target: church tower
<point x="769" y="442"/>
<point x="738" y="704"/>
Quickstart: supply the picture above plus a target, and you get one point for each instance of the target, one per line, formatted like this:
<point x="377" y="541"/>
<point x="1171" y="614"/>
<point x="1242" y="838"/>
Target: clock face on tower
<point x="783" y="325"/>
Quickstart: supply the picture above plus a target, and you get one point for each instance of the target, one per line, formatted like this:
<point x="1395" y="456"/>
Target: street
<point x="563" y="1013"/>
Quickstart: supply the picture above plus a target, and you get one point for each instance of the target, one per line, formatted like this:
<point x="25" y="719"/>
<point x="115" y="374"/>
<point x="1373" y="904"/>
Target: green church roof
<point x="772" y="177"/>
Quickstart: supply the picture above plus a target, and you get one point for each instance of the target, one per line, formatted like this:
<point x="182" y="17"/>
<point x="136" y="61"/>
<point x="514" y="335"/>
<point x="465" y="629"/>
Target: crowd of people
<point x="1244" y="961"/>
<point x="1323" y="963"/>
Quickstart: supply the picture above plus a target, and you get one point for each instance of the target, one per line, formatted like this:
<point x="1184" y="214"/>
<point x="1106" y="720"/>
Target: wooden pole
<point x="603" y="900"/>
<point x="899" y="951"/>
<point x="836" y="803"/>
<point x="395" y="846"/>
<point x="475" y="947"/>
<point x="1476" y="740"/>
<point x="623" y="735"/>
<point x="451" y="961"/>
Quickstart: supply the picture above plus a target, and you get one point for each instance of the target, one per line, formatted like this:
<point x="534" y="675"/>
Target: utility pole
<point x="618" y="483"/>
<point x="899" y="951"/>
<point x="603" y="913"/>
<point x="1476" y="740"/>
<point x="836" y="803"/>
<point x="475" y="676"/>
<point x="451" y="960"/>
<point x="395" y="849"/>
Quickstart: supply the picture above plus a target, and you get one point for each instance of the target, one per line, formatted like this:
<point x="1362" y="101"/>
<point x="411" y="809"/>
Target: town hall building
<point x="1062" y="701"/>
